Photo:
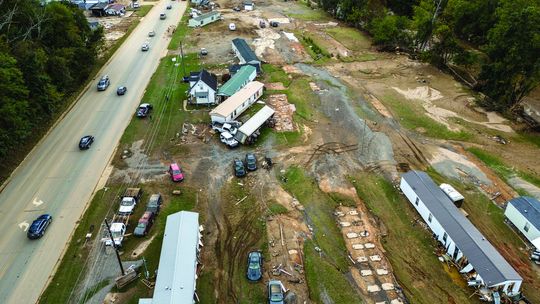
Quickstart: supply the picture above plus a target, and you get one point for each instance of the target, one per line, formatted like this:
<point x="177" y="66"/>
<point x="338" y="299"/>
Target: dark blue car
<point x="38" y="227"/>
<point x="254" y="271"/>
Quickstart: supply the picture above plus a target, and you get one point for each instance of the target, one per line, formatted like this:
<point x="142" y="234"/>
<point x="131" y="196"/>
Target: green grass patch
<point x="319" y="208"/>
<point x="276" y="208"/>
<point x="409" y="248"/>
<point x="530" y="137"/>
<point x="288" y="138"/>
<point x="323" y="278"/>
<point x="143" y="10"/>
<point x="182" y="31"/>
<point x="308" y="14"/>
<point x="359" y="58"/>
<point x="351" y="38"/>
<point x="94" y="289"/>
<point x="496" y="164"/>
<point x="273" y="73"/>
<point x="314" y="49"/>
<point x="412" y="116"/>
<point x="300" y="94"/>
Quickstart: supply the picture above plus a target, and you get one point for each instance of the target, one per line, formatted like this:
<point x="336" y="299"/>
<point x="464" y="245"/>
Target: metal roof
<point x="205" y="15"/>
<point x="529" y="207"/>
<point x="256" y="121"/>
<point x="235" y="83"/>
<point x="234" y="102"/>
<point x="175" y="281"/>
<point x="245" y="51"/>
<point x="485" y="259"/>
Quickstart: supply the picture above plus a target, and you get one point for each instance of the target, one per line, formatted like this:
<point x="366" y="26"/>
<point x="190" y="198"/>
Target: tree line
<point x="46" y="53"/>
<point x="495" y="42"/>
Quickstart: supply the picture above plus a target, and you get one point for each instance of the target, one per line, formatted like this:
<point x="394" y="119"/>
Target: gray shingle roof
<point x="245" y="51"/>
<point x="485" y="259"/>
<point x="529" y="207"/>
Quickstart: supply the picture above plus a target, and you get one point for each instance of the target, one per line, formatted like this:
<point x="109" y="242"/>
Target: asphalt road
<point x="59" y="179"/>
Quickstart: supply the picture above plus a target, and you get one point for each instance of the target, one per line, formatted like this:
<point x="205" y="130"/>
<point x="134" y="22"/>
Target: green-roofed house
<point x="243" y="76"/>
<point x="204" y="19"/>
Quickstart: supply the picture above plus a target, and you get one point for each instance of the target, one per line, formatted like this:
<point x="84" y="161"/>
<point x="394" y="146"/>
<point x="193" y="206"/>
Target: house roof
<point x="99" y="6"/>
<point x="485" y="259"/>
<point x="256" y="121"/>
<point x="232" y="103"/>
<point x="206" y="77"/>
<point x="236" y="67"/>
<point x="529" y="207"/>
<point x="235" y="83"/>
<point x="205" y="15"/>
<point x="175" y="281"/>
<point x="116" y="6"/>
<point x="245" y="51"/>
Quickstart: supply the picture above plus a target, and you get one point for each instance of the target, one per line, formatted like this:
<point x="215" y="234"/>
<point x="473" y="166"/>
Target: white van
<point x="232" y="26"/>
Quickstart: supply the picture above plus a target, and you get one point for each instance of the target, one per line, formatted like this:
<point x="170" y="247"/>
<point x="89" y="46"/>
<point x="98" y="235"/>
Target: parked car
<point x="231" y="127"/>
<point x="103" y="83"/>
<point x="151" y="34"/>
<point x="144" y="224"/>
<point x="262" y="24"/>
<point x="169" y="6"/>
<point x="136" y="5"/>
<point x="274" y="23"/>
<point x="239" y="169"/>
<point x="162" y="16"/>
<point x="275" y="292"/>
<point x="255" y="263"/>
<point x="251" y="162"/>
<point x="154" y="203"/>
<point x="144" y="110"/>
<point x="204" y="52"/>
<point x="237" y="8"/>
<point x="85" y="142"/>
<point x="121" y="90"/>
<point x="232" y="26"/>
<point x="176" y="172"/>
<point x="228" y="139"/>
<point x="145" y="47"/>
<point x="38" y="227"/>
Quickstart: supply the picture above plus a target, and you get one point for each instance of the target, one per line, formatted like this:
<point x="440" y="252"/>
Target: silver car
<point x="145" y="47"/>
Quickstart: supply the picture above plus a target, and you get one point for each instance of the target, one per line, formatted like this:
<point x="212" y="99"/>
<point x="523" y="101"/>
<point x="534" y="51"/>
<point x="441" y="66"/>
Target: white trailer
<point x="247" y="130"/>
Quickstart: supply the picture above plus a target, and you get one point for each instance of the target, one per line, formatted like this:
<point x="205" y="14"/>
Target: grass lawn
<point x="273" y="73"/>
<point x="143" y="10"/>
<point x="412" y="116"/>
<point x="506" y="172"/>
<point x="300" y="94"/>
<point x="351" y="38"/>
<point x="325" y="273"/>
<point x="314" y="46"/>
<point x="182" y="30"/>
<point x="303" y="12"/>
<point x="410" y="249"/>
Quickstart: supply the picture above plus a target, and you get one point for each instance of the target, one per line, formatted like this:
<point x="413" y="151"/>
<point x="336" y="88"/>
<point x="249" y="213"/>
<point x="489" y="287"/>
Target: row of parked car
<point x="250" y="163"/>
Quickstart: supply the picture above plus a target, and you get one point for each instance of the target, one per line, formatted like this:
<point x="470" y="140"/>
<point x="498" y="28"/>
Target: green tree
<point x="389" y="31"/>
<point x="513" y="49"/>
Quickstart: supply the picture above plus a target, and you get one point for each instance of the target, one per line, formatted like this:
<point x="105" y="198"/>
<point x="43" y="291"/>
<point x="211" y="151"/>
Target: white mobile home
<point x="524" y="213"/>
<point x="237" y="103"/>
<point x="470" y="250"/>
<point x="204" y="19"/>
<point x="177" y="270"/>
<point x="244" y="53"/>
<point x="253" y="124"/>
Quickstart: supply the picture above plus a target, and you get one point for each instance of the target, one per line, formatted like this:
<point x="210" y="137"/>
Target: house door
<point x="456" y="252"/>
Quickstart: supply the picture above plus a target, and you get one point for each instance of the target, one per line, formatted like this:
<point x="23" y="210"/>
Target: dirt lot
<point x="358" y="110"/>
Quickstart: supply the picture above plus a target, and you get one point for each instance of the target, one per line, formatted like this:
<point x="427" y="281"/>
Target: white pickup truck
<point x="129" y="201"/>
<point x="117" y="230"/>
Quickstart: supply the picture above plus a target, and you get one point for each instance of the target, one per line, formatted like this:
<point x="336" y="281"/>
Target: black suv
<point x="38" y="227"/>
<point x="103" y="83"/>
<point x="239" y="169"/>
<point x="86" y="142"/>
<point x="251" y="162"/>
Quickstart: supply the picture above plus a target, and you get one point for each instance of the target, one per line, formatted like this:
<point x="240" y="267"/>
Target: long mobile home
<point x="235" y="105"/>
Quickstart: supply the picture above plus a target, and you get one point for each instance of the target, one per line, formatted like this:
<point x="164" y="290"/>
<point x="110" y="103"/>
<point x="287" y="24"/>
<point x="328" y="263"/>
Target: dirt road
<point x="57" y="178"/>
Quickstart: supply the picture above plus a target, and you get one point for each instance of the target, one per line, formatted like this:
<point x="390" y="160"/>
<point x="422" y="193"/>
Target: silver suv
<point x="103" y="83"/>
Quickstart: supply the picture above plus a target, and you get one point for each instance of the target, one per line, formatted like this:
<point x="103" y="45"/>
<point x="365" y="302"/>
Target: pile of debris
<point x="284" y="112"/>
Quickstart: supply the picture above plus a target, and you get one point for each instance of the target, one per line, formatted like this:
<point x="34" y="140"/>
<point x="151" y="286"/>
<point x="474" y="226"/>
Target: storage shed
<point x="453" y="194"/>
<point x="464" y="244"/>
<point x="253" y="124"/>
<point x="204" y="19"/>
<point x="524" y="213"/>
<point x="244" y="53"/>
<point x="177" y="270"/>
<point x="235" y="105"/>
<point x="239" y="80"/>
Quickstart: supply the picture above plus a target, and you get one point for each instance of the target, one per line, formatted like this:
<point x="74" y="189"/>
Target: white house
<point x="177" y="271"/>
<point x="478" y="259"/>
<point x="237" y="103"/>
<point x="202" y="88"/>
<point x="524" y="213"/>
<point x="246" y="131"/>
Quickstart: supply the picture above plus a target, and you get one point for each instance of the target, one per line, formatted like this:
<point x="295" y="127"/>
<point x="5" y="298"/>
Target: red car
<point x="176" y="172"/>
<point x="144" y="224"/>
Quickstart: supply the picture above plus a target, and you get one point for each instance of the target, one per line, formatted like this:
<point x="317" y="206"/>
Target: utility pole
<point x="182" y="54"/>
<point x="146" y="273"/>
<point x="115" y="248"/>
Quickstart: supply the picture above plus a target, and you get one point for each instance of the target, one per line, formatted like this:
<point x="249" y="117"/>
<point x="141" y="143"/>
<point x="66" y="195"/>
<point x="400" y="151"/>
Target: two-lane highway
<point x="59" y="179"/>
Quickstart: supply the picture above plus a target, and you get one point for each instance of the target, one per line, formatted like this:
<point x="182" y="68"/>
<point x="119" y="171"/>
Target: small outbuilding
<point x="235" y="105"/>
<point x="98" y="9"/>
<point x="239" y="80"/>
<point x="204" y="19"/>
<point x="244" y="53"/>
<point x="246" y="131"/>
<point x="452" y="194"/>
<point x="524" y="213"/>
<point x="202" y="88"/>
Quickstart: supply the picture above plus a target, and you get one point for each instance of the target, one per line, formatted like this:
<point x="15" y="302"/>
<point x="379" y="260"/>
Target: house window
<point x="444" y="237"/>
<point x="527" y="227"/>
<point x="201" y="22"/>
<point x="430" y="217"/>
<point x="416" y="201"/>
